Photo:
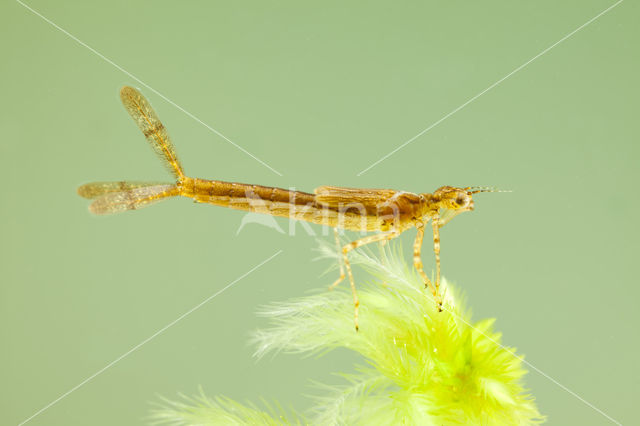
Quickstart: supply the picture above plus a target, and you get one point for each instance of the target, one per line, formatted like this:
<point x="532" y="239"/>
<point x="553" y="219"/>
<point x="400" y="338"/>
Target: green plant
<point x="421" y="366"/>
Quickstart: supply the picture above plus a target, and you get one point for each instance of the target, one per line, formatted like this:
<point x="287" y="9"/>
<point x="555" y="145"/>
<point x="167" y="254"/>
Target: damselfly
<point x="386" y="211"/>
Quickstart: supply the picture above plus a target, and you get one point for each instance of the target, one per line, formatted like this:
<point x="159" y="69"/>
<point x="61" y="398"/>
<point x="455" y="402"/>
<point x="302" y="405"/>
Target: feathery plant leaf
<point x="219" y="411"/>
<point x="422" y="366"/>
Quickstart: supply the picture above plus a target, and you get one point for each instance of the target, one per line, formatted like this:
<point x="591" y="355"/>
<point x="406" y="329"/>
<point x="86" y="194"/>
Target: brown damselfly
<point x="386" y="211"/>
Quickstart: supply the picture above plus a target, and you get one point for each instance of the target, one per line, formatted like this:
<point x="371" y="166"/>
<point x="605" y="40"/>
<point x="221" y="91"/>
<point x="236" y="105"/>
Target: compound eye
<point x="461" y="200"/>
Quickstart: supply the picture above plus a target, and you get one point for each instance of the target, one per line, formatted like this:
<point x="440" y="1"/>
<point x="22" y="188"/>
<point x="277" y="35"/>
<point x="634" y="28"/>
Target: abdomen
<point x="277" y="202"/>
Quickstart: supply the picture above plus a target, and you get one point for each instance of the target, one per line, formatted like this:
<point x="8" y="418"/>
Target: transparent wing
<point x="96" y="189"/>
<point x="155" y="132"/>
<point x="133" y="199"/>
<point x="335" y="195"/>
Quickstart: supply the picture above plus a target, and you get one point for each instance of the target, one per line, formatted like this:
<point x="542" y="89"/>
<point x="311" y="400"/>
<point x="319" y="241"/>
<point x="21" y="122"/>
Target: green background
<point x="319" y="91"/>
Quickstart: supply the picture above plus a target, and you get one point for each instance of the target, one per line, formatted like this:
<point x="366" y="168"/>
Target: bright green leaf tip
<point x="423" y="367"/>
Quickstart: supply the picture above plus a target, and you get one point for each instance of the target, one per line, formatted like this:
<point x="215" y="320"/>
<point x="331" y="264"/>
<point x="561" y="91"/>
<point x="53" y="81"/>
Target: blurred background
<point x="318" y="92"/>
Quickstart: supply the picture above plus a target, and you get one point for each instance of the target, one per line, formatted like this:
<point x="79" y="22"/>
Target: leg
<point x="337" y="237"/>
<point x="417" y="263"/>
<point x="435" y="224"/>
<point x="438" y="223"/>
<point x="345" y="250"/>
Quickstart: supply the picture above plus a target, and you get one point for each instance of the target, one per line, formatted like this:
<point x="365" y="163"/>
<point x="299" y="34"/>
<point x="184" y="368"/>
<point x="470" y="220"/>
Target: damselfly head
<point x="450" y="197"/>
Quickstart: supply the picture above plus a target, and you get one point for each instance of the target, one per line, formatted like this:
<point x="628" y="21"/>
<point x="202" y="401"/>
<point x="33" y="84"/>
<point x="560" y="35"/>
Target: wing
<point x="147" y="120"/>
<point x="96" y="189"/>
<point x="132" y="199"/>
<point x="335" y="196"/>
